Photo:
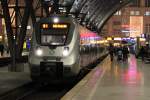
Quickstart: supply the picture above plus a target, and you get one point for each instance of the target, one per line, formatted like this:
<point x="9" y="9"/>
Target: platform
<point x="12" y="80"/>
<point x="115" y="80"/>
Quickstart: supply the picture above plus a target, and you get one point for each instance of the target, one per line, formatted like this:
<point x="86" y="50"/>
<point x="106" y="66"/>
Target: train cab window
<point x="54" y="34"/>
<point x="53" y="40"/>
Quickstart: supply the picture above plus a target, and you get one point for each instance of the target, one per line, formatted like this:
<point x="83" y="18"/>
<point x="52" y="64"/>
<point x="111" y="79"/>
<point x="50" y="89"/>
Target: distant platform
<point x="12" y="80"/>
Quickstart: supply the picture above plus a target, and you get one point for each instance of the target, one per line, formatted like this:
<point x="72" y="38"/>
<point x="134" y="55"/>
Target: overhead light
<point x="56" y="20"/>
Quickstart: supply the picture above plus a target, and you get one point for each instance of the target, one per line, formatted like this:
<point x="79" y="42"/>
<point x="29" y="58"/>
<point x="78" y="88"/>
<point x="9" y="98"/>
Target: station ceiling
<point x="92" y="13"/>
<point x="95" y="12"/>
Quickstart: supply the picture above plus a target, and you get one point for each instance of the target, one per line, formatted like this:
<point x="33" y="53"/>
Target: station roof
<point x="92" y="13"/>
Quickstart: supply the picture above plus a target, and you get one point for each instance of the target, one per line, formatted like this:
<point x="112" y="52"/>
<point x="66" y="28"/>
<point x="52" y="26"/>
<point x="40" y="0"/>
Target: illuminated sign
<point x="59" y="26"/>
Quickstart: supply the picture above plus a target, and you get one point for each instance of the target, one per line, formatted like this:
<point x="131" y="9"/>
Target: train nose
<point x="52" y="69"/>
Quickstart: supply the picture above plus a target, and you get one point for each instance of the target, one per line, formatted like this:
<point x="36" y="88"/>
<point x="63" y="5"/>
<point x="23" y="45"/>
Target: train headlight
<point x="66" y="51"/>
<point x="39" y="52"/>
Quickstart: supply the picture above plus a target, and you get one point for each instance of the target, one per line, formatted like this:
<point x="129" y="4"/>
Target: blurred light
<point x="117" y="38"/>
<point x="28" y="27"/>
<point x="109" y="38"/>
<point x="127" y="31"/>
<point x="100" y="41"/>
<point x="125" y="26"/>
<point x="39" y="52"/>
<point x="66" y="51"/>
<point x="142" y="39"/>
<point x="105" y="41"/>
<point x="56" y="20"/>
<point x="44" y="26"/>
<point x="93" y="42"/>
<point x="1" y="37"/>
<point x="116" y="44"/>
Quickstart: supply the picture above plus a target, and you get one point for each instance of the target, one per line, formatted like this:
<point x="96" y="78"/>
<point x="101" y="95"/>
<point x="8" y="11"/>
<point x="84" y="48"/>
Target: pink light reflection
<point x="132" y="76"/>
<point x="89" y="34"/>
<point x="93" y="80"/>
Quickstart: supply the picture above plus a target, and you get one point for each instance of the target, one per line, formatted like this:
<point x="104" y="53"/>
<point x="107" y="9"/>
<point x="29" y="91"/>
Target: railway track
<point x="32" y="91"/>
<point x="20" y="92"/>
<point x="50" y="92"/>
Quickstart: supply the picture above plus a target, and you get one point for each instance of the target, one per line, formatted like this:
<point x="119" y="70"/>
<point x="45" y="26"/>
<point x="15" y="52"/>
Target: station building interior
<point x="103" y="25"/>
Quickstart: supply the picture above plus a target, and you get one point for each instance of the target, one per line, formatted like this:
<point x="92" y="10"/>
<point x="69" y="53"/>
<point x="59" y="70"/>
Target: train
<point x="61" y="47"/>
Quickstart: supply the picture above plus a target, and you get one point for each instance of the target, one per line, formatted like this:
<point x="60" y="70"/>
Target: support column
<point x="9" y="32"/>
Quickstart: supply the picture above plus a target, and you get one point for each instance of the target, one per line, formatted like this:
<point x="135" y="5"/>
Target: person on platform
<point x="119" y="53"/>
<point x="1" y="49"/>
<point x="125" y="52"/>
<point x="142" y="53"/>
<point x="111" y="51"/>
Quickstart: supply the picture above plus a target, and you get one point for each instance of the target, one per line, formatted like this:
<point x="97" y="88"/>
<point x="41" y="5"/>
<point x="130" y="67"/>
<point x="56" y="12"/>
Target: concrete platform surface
<point x="117" y="80"/>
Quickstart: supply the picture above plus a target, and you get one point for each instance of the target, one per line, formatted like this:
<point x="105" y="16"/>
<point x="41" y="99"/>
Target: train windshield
<point x="54" y="34"/>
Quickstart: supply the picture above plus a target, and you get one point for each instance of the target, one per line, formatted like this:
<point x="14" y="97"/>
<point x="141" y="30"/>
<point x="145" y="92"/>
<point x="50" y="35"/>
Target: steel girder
<point x="93" y="12"/>
<point x="77" y="6"/>
<point x="91" y="7"/>
<point x="67" y="3"/>
<point x="100" y="15"/>
<point x="98" y="10"/>
<point x="111" y="11"/>
<point x="102" y="8"/>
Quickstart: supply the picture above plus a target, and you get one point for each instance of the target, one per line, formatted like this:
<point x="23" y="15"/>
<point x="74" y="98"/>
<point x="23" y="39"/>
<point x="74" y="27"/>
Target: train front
<point x="54" y="51"/>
